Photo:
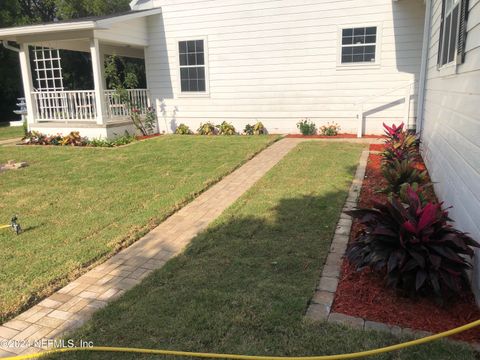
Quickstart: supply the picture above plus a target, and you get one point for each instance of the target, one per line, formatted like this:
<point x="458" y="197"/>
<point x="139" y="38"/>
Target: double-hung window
<point x="453" y="32"/>
<point x="192" y="66"/>
<point x="449" y="32"/>
<point x="359" y="45"/>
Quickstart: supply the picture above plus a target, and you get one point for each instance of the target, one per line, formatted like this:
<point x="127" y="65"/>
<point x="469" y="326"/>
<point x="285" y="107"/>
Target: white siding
<point x="276" y="61"/>
<point x="451" y="128"/>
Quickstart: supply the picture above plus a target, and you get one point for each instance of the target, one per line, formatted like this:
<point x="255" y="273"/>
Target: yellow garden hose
<point x="252" y="357"/>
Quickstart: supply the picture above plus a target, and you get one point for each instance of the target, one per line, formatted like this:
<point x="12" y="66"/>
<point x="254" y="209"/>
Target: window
<point x="192" y="66"/>
<point x="449" y="31"/>
<point x="359" y="45"/>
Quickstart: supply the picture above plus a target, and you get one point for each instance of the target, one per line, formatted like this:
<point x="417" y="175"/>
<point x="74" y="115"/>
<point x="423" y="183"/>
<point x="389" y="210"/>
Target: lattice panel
<point x="48" y="69"/>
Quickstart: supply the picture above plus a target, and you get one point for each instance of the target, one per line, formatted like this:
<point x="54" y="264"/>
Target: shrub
<point x="226" y="128"/>
<point x="330" y="129"/>
<point x="392" y="133"/>
<point x="36" y="138"/>
<point x="144" y="123"/>
<point x="403" y="148"/>
<point x="207" y="129"/>
<point x="413" y="245"/>
<point x="307" y="127"/>
<point x="183" y="129"/>
<point x="399" y="173"/>
<point x="257" y="129"/>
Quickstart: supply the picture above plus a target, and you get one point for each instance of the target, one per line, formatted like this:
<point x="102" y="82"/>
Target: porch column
<point x="28" y="83"/>
<point x="98" y="75"/>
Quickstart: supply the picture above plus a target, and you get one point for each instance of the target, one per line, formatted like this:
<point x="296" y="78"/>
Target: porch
<point x="54" y="108"/>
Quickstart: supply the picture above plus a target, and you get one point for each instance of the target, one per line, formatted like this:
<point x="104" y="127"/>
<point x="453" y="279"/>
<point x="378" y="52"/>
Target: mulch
<point x="363" y="294"/>
<point x="339" y="136"/>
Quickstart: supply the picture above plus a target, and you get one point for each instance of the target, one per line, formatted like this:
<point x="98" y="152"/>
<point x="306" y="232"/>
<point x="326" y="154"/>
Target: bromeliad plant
<point x="257" y="129"/>
<point x="399" y="173"/>
<point x="392" y="133"/>
<point x="183" y="129"/>
<point x="413" y="245"/>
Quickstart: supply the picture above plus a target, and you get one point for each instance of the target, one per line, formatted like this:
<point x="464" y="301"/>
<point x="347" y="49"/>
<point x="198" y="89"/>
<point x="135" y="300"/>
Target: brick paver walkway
<point x="72" y="305"/>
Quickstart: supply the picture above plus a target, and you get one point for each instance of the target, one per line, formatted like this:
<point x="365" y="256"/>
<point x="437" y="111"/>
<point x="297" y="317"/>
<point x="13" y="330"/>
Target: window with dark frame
<point x="359" y="45"/>
<point x="449" y="32"/>
<point x="192" y="65"/>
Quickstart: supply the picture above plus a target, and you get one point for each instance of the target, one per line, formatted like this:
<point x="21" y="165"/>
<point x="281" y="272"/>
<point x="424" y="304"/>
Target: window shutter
<point x="462" y="31"/>
<point x="440" y="39"/>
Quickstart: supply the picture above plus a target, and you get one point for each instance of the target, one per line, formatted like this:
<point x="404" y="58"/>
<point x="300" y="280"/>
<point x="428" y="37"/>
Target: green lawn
<point x="244" y="285"/>
<point x="10" y="132"/>
<point x="78" y="205"/>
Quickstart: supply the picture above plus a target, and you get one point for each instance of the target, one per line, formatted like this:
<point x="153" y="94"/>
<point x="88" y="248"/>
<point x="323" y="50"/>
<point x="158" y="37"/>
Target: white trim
<point x="75" y="25"/>
<point x="27" y="79"/>
<point x="423" y="66"/>
<point x="192" y="94"/>
<point x="360" y="65"/>
<point x="98" y="75"/>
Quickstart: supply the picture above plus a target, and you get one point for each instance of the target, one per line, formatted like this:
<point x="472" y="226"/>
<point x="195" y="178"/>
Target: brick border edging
<point x="320" y="307"/>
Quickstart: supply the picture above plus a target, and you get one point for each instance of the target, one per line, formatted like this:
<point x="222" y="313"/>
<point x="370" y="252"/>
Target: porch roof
<point x="88" y="24"/>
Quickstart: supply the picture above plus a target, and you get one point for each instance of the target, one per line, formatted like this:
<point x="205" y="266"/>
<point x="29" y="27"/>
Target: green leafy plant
<point x="399" y="173"/>
<point x="207" y="129"/>
<point x="413" y="245"/>
<point x="330" y="129"/>
<point x="307" y="127"/>
<point x="183" y="129"/>
<point x="119" y="141"/>
<point x="399" y="145"/>
<point x="257" y="129"/>
<point x="226" y="128"/>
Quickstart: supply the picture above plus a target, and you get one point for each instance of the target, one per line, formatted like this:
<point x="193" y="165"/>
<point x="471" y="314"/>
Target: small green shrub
<point x="398" y="173"/>
<point x="330" y="129"/>
<point x="226" y="128"/>
<point x="207" y="129"/>
<point x="183" y="129"/>
<point x="307" y="127"/>
<point x="119" y="141"/>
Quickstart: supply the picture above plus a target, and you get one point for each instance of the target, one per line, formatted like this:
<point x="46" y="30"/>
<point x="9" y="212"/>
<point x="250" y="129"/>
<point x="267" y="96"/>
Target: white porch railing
<point x="80" y="105"/>
<point x="64" y="106"/>
<point x="138" y="98"/>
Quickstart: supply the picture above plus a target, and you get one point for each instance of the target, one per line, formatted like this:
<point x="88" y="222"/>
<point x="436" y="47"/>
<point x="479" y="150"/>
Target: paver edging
<point x="320" y="307"/>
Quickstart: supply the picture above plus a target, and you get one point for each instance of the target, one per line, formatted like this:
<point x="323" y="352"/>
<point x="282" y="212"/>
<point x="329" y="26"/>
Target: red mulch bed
<point x="144" y="137"/>
<point x="339" y="136"/>
<point x="363" y="294"/>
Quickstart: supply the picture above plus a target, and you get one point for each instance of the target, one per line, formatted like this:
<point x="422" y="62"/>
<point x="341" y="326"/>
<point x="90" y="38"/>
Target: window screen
<point x="192" y="65"/>
<point x="359" y="44"/>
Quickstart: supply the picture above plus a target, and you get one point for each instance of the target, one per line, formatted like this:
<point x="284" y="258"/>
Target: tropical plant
<point x="404" y="148"/>
<point x="399" y="173"/>
<point x="73" y="139"/>
<point x="413" y="245"/>
<point x="330" y="129"/>
<point x="183" y="129"/>
<point x="392" y="133"/>
<point x="307" y="127"/>
<point x="226" y="128"/>
<point x="207" y="129"/>
<point x="257" y="129"/>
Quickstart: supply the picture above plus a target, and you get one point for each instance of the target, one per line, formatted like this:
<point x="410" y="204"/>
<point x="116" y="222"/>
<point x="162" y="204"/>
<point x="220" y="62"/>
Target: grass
<point x="243" y="286"/>
<point x="10" y="132"/>
<point x="78" y="205"/>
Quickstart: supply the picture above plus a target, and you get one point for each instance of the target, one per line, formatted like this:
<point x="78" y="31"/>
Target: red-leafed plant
<point x="400" y="145"/>
<point x="392" y="133"/>
<point x="413" y="245"/>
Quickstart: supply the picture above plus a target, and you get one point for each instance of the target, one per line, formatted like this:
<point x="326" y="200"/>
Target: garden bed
<point x="339" y="136"/>
<point x="363" y="294"/>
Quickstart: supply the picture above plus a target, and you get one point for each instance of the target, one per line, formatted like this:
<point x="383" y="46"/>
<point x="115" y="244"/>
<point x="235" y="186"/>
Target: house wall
<point x="451" y="128"/>
<point x="276" y="61"/>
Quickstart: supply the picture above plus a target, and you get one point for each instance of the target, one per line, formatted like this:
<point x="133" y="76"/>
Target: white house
<point x="356" y="62"/>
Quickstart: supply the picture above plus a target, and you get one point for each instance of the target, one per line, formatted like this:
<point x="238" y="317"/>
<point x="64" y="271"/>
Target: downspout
<point x="423" y="67"/>
<point x="6" y="45"/>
